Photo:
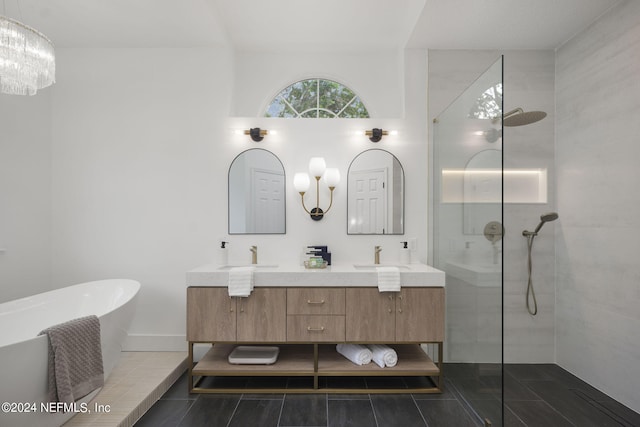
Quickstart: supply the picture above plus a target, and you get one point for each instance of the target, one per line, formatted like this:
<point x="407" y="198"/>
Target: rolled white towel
<point x="383" y="355"/>
<point x="240" y="281"/>
<point x="388" y="279"/>
<point x="357" y="353"/>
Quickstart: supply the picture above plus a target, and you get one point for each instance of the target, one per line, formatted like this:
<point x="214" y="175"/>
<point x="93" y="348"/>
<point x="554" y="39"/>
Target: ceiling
<point x="303" y="25"/>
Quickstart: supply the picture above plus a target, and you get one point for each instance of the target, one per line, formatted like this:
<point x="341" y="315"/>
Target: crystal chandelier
<point x="27" y="59"/>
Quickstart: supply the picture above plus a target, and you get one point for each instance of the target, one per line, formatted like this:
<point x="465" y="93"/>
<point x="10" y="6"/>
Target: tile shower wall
<point x="529" y="83"/>
<point x="598" y="291"/>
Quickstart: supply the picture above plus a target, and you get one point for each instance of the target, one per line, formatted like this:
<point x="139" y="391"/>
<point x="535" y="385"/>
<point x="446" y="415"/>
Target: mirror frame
<point x="404" y="191"/>
<point x="284" y="194"/>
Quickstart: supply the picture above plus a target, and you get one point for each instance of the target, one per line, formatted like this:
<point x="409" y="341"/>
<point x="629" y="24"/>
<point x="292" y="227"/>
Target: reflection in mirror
<point x="482" y="191"/>
<point x="375" y="194"/>
<point x="256" y="193"/>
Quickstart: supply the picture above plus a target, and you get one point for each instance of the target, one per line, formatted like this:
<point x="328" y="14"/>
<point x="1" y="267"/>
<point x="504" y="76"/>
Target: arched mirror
<point x="375" y="194"/>
<point x="482" y="190"/>
<point x="256" y="193"/>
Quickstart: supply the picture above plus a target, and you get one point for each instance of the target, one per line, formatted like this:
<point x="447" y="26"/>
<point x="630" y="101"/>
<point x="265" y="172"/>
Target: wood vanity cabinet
<point x="210" y="315"/>
<point x="315" y="314"/>
<point x="214" y="316"/>
<point x="306" y="323"/>
<point x="411" y="315"/>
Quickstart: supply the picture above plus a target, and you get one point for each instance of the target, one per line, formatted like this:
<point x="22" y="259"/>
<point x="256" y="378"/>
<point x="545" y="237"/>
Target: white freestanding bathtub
<point x="23" y="354"/>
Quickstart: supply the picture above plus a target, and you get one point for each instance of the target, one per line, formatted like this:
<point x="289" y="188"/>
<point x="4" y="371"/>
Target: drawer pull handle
<point x="320" y="329"/>
<point x="315" y="302"/>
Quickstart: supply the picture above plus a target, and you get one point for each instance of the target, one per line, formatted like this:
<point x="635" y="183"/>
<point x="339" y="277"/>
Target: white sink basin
<point x="374" y="266"/>
<point x="257" y="266"/>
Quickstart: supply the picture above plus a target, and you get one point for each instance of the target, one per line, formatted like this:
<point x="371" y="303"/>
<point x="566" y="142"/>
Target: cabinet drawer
<point x="315" y="328"/>
<point x="315" y="301"/>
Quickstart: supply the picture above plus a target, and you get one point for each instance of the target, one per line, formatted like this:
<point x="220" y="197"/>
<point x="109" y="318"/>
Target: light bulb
<point x="332" y="177"/>
<point x="317" y="166"/>
<point x="301" y="182"/>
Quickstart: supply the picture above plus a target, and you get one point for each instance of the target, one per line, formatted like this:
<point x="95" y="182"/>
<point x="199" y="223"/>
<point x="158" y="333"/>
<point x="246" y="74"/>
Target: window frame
<point x="294" y="113"/>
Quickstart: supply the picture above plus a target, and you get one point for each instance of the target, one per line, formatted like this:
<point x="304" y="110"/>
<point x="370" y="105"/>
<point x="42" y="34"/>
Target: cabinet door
<point x="262" y="316"/>
<point x="420" y="314"/>
<point x="370" y="315"/>
<point x="211" y="315"/>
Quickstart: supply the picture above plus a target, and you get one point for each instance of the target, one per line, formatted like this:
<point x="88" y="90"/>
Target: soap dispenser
<point x="405" y="253"/>
<point x="223" y="253"/>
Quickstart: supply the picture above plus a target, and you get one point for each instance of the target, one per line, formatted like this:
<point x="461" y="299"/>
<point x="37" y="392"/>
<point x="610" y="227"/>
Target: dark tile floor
<point x="534" y="395"/>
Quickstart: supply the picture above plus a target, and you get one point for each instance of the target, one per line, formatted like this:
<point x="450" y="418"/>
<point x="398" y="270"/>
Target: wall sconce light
<point x="301" y="182"/>
<point x="375" y="134"/>
<point x="256" y="134"/>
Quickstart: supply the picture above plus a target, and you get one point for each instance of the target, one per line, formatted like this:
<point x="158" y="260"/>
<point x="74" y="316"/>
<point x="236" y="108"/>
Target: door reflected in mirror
<point x="256" y="193"/>
<point x="375" y="194"/>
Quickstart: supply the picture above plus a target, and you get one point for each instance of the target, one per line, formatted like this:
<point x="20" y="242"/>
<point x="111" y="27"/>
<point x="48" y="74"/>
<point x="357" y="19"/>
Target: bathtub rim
<point x="31" y="302"/>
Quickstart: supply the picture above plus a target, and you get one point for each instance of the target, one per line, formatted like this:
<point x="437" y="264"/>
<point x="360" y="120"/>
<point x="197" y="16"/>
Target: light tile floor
<point x="135" y="384"/>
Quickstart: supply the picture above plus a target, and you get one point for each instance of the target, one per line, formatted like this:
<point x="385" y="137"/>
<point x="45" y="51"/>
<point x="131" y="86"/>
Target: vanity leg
<point x="441" y="366"/>
<point x="190" y="373"/>
<point x="315" y="366"/>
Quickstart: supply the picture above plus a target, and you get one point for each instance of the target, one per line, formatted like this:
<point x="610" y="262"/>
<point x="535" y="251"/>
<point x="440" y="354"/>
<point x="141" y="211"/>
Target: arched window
<point x="317" y="98"/>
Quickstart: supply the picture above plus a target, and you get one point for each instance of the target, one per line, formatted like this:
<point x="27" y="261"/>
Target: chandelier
<point x="27" y="59"/>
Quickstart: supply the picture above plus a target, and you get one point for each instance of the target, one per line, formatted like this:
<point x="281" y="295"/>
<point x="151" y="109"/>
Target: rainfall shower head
<point x="518" y="117"/>
<point x="549" y="216"/>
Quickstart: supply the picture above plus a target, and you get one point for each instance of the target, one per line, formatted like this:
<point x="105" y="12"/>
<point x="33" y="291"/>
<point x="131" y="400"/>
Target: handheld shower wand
<point x="548" y="217"/>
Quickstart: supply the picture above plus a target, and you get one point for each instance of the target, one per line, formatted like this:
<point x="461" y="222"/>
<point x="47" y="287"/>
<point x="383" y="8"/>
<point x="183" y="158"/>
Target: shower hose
<point x="530" y="290"/>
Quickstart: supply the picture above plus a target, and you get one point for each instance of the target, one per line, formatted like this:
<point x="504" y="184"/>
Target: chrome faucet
<point x="254" y="254"/>
<point x="376" y="254"/>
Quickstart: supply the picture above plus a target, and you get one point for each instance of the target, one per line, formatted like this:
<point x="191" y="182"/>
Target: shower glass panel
<point x="467" y="229"/>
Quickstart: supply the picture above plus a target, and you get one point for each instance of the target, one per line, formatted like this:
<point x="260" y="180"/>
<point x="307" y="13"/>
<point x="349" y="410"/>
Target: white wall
<point x="377" y="77"/>
<point x="298" y="140"/>
<point x="598" y="292"/>
<point x="529" y="84"/>
<point x="25" y="195"/>
<point x="138" y="184"/>
<point x="125" y="173"/>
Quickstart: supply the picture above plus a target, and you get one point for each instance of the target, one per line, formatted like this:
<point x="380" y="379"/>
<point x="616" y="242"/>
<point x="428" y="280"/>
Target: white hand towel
<point x="383" y="355"/>
<point x="388" y="279"/>
<point x="357" y="353"/>
<point x="240" y="281"/>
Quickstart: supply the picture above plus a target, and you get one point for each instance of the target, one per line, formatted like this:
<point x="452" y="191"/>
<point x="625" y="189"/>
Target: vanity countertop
<point x="337" y="275"/>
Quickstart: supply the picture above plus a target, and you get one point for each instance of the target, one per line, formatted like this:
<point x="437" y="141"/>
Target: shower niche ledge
<point x="492" y="184"/>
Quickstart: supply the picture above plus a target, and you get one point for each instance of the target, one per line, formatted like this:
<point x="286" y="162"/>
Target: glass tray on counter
<point x="307" y="264"/>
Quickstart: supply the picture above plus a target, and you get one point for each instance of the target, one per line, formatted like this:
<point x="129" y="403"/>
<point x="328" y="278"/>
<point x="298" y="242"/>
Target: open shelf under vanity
<point x="316" y="362"/>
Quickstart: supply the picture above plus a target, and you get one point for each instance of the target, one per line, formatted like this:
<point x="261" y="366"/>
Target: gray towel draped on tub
<point x="75" y="359"/>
